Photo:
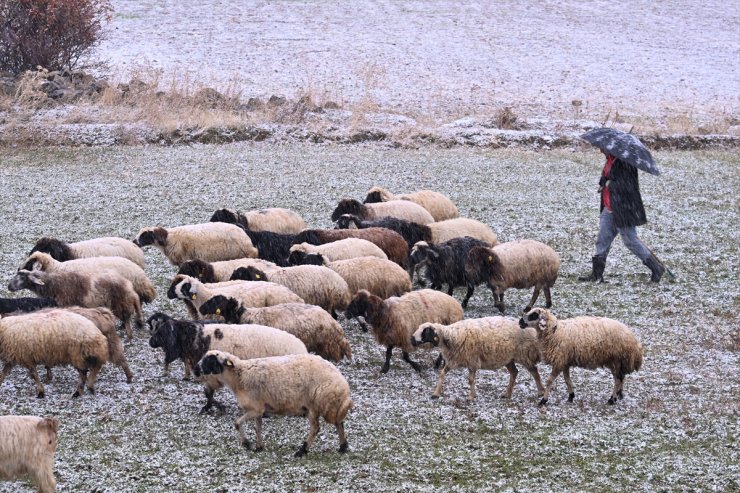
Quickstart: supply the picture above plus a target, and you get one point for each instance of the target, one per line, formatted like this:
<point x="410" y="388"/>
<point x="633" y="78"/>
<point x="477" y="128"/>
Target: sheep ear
<point x="35" y="279"/>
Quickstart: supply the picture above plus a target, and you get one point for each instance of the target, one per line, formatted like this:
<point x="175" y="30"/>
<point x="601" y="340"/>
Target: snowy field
<point x="668" y="62"/>
<point x="676" y="429"/>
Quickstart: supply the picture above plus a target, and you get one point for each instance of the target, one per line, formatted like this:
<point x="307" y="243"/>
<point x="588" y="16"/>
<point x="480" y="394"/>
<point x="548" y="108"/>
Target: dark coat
<point x="624" y="195"/>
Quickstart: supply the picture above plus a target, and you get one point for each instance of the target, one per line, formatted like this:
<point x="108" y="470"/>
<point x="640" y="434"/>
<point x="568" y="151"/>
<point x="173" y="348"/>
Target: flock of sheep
<point x="263" y="291"/>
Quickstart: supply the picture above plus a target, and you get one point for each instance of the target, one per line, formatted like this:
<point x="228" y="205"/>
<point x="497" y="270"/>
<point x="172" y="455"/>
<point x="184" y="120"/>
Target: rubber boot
<point x="597" y="272"/>
<point x="656" y="268"/>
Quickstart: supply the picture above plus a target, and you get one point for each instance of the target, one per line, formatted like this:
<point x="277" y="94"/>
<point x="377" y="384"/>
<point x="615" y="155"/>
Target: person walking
<point x="620" y="213"/>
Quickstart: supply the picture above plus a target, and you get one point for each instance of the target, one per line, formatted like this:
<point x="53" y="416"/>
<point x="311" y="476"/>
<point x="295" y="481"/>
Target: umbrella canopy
<point x="625" y="147"/>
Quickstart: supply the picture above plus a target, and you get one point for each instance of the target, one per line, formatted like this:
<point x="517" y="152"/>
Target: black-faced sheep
<point x="389" y="241"/>
<point x="273" y="247"/>
<point x="95" y="266"/>
<point x="189" y="341"/>
<point x="96" y="247"/>
<point x="402" y="209"/>
<point x="315" y="284"/>
<point x="276" y="219"/>
<point x="27" y="450"/>
<point x="338" y="250"/>
<point x="396" y="319"/>
<point x="51" y="338"/>
<point x="209" y="242"/>
<point x="516" y="264"/>
<point x="438" y="205"/>
<point x="106" y="289"/>
<point x="445" y="263"/>
<point x="482" y="344"/>
<point x="584" y="342"/>
<point x="249" y="293"/>
<point x="285" y="385"/>
<point x="211" y="272"/>
<point x="311" y="324"/>
<point x="25" y="305"/>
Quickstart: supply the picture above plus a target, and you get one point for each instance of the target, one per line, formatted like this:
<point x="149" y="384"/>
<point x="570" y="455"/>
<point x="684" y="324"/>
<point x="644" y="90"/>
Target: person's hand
<point x="603" y="181"/>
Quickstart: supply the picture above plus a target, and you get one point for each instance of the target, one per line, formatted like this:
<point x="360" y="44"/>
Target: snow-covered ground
<point x="676" y="429"/>
<point x="669" y="62"/>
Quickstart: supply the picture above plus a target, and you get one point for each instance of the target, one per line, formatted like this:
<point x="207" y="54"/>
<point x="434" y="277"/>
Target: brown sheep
<point x="27" y="449"/>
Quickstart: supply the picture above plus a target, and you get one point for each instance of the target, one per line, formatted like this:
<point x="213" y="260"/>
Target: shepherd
<point x="621" y="204"/>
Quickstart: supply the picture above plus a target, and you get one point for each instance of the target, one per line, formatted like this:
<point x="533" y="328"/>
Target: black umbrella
<point x="625" y="147"/>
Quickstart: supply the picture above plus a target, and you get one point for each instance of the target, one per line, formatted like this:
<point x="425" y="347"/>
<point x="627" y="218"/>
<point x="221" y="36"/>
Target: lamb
<point x="222" y="271"/>
<point x="312" y="325"/>
<point x="389" y="241"/>
<point x="445" y="263"/>
<point x="337" y="250"/>
<point x="252" y="294"/>
<point x="51" y="338"/>
<point x="25" y="305"/>
<point x="584" y="342"/>
<point x="317" y="285"/>
<point x="189" y="341"/>
<point x="515" y="264"/>
<point x="27" y="450"/>
<point x="107" y="289"/>
<point x="95" y="266"/>
<point x="438" y="205"/>
<point x="293" y="385"/>
<point x="396" y="319"/>
<point x="209" y="242"/>
<point x="482" y="344"/>
<point x="277" y="220"/>
<point x="96" y="247"/>
<point x="402" y="209"/>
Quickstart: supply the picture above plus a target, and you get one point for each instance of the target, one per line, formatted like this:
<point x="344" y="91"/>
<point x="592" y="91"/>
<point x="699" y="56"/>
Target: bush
<point x="52" y="34"/>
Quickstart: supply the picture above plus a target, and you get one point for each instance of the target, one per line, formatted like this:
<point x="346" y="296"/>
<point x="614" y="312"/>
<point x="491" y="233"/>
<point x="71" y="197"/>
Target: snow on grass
<point x="676" y="429"/>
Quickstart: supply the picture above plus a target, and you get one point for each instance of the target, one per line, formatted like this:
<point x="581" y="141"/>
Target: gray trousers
<point x="608" y="231"/>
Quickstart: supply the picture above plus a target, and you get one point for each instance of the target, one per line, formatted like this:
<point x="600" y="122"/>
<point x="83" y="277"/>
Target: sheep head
<point x="377" y="194"/>
<point x="37" y="261"/>
<point x="348" y="221"/>
<point x="183" y="287"/>
<point x="248" y="274"/>
<point x="359" y="304"/>
<point x="198" y="269"/>
<point x="348" y="206"/>
<point x="26" y="279"/>
<point x="541" y="319"/>
<point x="426" y="333"/>
<point x="57" y="249"/>
<point x="230" y="216"/>
<point x="151" y="236"/>
<point x="213" y="363"/>
<point x="226" y="307"/>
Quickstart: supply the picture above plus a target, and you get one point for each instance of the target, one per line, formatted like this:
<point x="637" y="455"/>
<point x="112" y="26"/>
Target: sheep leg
<point x="439" y="361"/>
<point x="618" y="381"/>
<point x="498" y="299"/>
<point x="450" y="289"/>
<point x="548" y="298"/>
<point x="210" y="401"/>
<point x="569" y="383"/>
<point x="550" y="380"/>
<point x="313" y="420"/>
<point x="188" y="368"/>
<point x="343" y="447"/>
<point x="139" y="315"/>
<point x="92" y="377"/>
<point x="37" y="381"/>
<point x="256" y="415"/>
<point x="81" y="386"/>
<point x="126" y="370"/>
<point x="535" y="295"/>
<point x="513" y="372"/>
<point x="363" y="324"/>
<point x="471" y="384"/>
<point x="440" y="381"/>
<point x="468" y="294"/>
<point x="127" y="327"/>
<point x="6" y="371"/>
<point x="387" y="365"/>
<point x="48" y="374"/>
<point x="537" y="380"/>
<point x="414" y="365"/>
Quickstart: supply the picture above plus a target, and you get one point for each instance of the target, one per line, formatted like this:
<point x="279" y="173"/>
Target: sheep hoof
<point x="500" y="308"/>
<point x="41" y="395"/>
<point x="527" y="309"/>
<point x="245" y="443"/>
<point x="464" y="304"/>
<point x="205" y="409"/>
<point x="344" y="448"/>
<point x="416" y="367"/>
<point x="186" y="378"/>
<point x="571" y="396"/>
<point x="302" y="451"/>
<point x="76" y="394"/>
<point x="611" y="401"/>
<point x="385" y="369"/>
<point x="259" y="449"/>
<point x="435" y="396"/>
<point x="543" y="401"/>
<point x="620" y="394"/>
<point x="504" y="396"/>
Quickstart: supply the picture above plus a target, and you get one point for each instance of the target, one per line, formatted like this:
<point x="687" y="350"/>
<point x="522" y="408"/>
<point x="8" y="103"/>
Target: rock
<point x="209" y="97"/>
<point x="275" y="101"/>
<point x="331" y="105"/>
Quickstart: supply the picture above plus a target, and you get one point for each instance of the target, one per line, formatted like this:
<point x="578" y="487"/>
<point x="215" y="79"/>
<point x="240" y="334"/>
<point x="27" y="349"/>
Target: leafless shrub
<point x="506" y="119"/>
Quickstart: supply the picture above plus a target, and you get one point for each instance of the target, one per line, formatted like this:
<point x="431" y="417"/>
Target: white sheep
<point x="104" y="289"/>
<point x="293" y="385"/>
<point x="274" y="219"/>
<point x="516" y="264"/>
<point x="189" y="341"/>
<point x="94" y="266"/>
<point x="438" y="205"/>
<point x="110" y="246"/>
<point x="457" y="228"/>
<point x="311" y="324"/>
<point x="315" y="284"/>
<point x="249" y="293"/>
<point x="209" y="242"/>
<point x="342" y="249"/>
<point x="402" y="209"/>
<point x="584" y="342"/>
<point x="51" y="338"/>
<point x="211" y="272"/>
<point x="395" y="319"/>
<point x="27" y="446"/>
<point x="482" y="344"/>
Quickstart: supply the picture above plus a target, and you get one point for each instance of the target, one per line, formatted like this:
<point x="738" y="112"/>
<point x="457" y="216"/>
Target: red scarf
<point x="605" y="198"/>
